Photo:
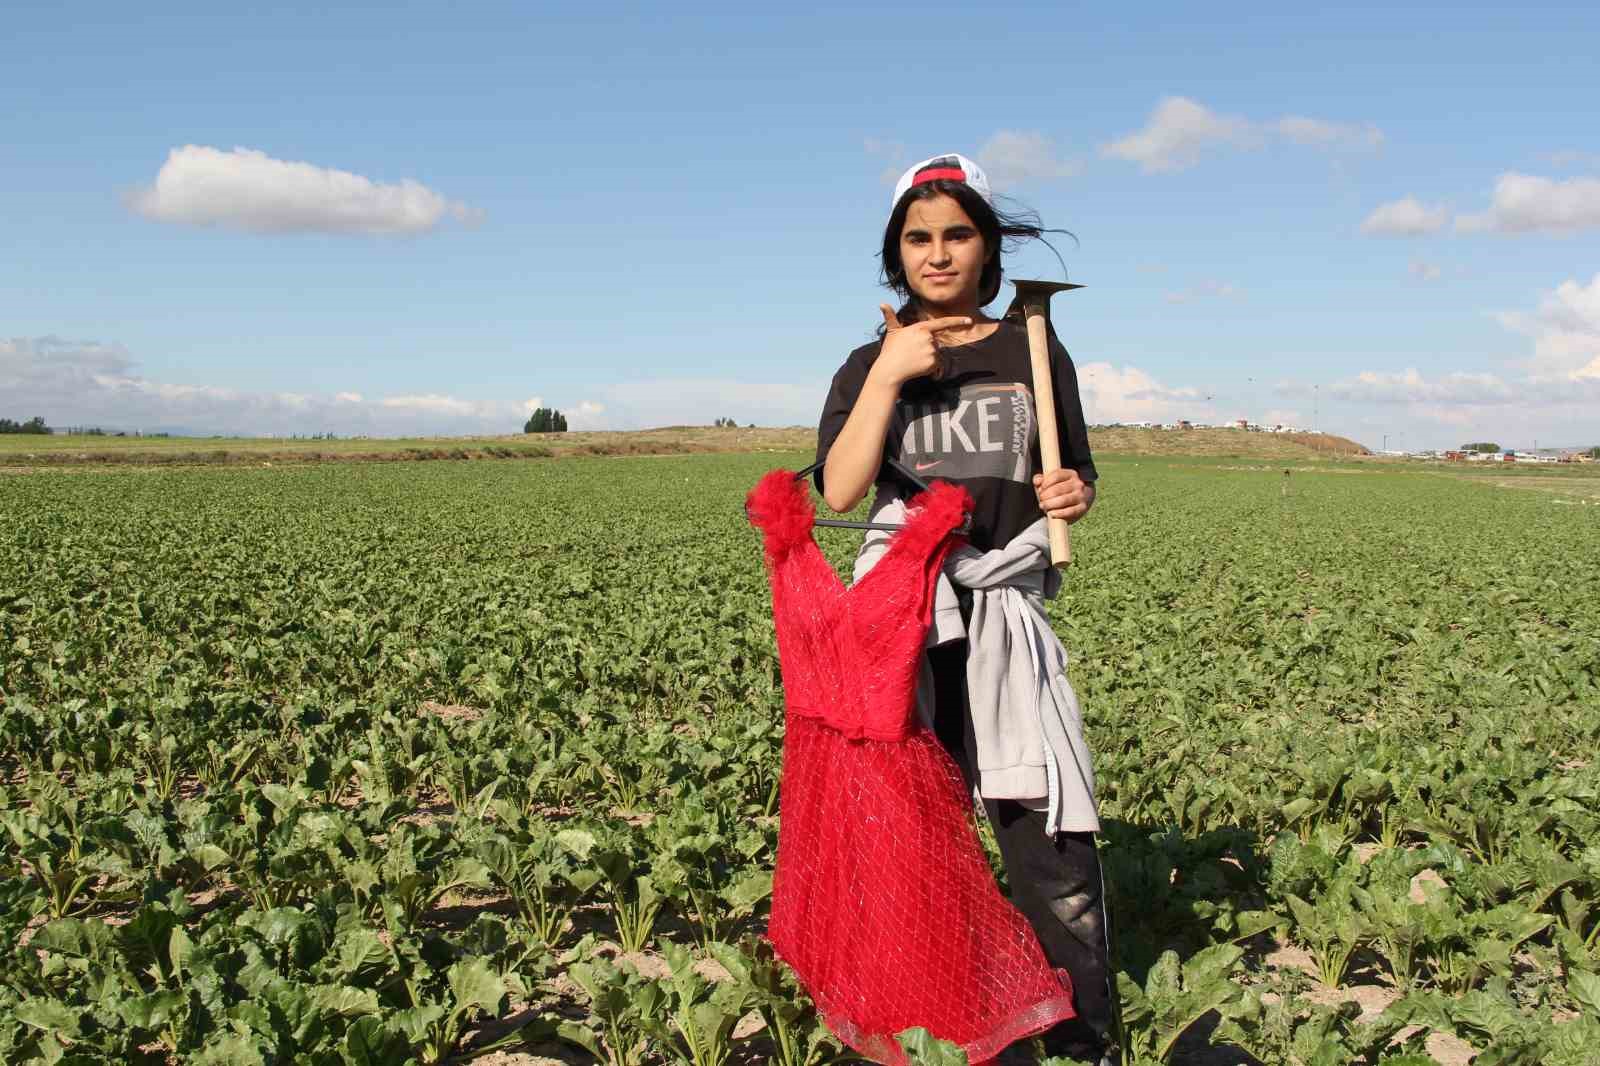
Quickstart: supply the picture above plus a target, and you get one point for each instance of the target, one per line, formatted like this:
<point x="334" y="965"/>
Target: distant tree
<point x="1594" y="453"/>
<point x="1481" y="446"/>
<point x="727" y="423"/>
<point x="546" y="420"/>
<point x="32" y="425"/>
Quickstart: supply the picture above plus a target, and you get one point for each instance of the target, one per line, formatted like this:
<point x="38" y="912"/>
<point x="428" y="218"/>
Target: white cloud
<point x="1180" y="131"/>
<point x="1411" y="388"/>
<point x="1553" y="400"/>
<point x="1574" y="159"/>
<point x="587" y="415"/>
<point x="884" y="147"/>
<point x="1014" y="156"/>
<point x="434" y="403"/>
<point x="1424" y="271"/>
<point x="1405" y="218"/>
<point x="1563" y="369"/>
<point x="1128" y="394"/>
<point x="897" y="154"/>
<point x="700" y="401"/>
<point x="249" y="190"/>
<point x="30" y="368"/>
<point x="1524" y="203"/>
<point x="87" y="384"/>
<point x="1481" y="405"/>
<point x="1322" y="134"/>
<point x="1565" y="329"/>
<point x="1224" y="289"/>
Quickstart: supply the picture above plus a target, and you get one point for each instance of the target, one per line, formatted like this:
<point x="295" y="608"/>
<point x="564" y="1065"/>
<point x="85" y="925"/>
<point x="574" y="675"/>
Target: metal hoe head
<point x="1037" y="294"/>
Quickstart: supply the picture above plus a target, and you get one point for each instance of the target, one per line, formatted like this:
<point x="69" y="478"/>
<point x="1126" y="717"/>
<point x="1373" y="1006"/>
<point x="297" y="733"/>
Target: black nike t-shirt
<point x="975" y="426"/>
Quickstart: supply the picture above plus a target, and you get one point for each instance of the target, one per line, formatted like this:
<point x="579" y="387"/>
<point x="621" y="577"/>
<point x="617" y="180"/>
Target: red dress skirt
<point x="883" y="902"/>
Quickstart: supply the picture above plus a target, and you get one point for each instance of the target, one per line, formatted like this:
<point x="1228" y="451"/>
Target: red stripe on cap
<point x="947" y="174"/>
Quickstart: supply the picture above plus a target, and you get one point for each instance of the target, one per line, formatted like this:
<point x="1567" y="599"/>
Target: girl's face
<point x="943" y="255"/>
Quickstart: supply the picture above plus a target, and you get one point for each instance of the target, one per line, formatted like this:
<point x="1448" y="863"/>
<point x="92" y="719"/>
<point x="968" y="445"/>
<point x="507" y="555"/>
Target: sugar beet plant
<point x="409" y="762"/>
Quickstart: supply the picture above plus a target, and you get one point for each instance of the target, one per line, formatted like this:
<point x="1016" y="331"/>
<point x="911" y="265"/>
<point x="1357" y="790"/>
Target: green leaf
<point x="475" y="984"/>
<point x="280" y="796"/>
<point x="577" y="841"/>
<point x="1585" y="988"/>
<point x="370" y="1042"/>
<point x="361" y="949"/>
<point x="151" y="1011"/>
<point x="179" y="948"/>
<point x="747" y="891"/>
<point x="74" y="936"/>
<point x="50" y="1015"/>
<point x="210" y="857"/>
<point x="1297" y="809"/>
<point x="925" y="1049"/>
<point x="573" y="1033"/>
<point x="345" y="1001"/>
<point x="415" y="1021"/>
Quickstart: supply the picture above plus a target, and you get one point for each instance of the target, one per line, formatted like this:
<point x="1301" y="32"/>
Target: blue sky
<point x="1385" y="220"/>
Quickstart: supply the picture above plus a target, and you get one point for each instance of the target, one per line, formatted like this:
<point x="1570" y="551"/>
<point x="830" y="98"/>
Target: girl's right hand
<point x="910" y="351"/>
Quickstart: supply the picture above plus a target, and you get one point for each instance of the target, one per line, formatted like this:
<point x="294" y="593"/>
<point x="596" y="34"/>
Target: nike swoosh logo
<point x="920" y="467"/>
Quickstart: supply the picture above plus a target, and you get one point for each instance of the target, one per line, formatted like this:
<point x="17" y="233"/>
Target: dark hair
<point x="1001" y="230"/>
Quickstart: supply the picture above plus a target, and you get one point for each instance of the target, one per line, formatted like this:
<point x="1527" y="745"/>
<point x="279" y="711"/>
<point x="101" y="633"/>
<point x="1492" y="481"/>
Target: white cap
<point x="951" y="167"/>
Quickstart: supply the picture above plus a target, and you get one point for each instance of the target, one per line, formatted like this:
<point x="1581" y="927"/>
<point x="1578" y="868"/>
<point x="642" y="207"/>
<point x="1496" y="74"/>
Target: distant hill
<point x="62" y="450"/>
<point x="1130" y="441"/>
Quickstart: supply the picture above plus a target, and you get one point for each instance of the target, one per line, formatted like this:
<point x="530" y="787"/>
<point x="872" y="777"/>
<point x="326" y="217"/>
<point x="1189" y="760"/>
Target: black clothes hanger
<point x="899" y="468"/>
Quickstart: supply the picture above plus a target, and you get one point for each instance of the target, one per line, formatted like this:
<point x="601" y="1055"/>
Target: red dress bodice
<point x="850" y="655"/>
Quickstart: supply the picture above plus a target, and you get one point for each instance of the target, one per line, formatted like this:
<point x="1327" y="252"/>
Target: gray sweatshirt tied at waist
<point x="1027" y="728"/>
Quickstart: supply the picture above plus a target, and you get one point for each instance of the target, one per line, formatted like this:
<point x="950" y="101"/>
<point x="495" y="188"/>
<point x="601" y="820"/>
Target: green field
<point x="388" y="762"/>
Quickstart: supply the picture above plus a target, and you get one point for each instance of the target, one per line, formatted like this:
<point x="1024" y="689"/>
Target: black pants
<point x="1055" y="882"/>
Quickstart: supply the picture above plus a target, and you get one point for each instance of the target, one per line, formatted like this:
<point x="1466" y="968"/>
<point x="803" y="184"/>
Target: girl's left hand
<point x="1063" y="494"/>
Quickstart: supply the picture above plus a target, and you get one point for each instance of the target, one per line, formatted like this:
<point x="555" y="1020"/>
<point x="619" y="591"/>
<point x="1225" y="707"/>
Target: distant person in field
<point x="946" y="390"/>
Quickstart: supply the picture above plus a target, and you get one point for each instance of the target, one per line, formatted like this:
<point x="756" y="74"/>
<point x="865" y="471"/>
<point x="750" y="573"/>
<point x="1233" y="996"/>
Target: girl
<point x="946" y="391"/>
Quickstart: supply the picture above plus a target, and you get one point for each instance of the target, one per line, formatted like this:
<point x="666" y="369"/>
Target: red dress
<point x="883" y="901"/>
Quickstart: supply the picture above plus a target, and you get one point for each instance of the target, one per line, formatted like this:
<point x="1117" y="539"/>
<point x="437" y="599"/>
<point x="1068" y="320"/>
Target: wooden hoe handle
<point x="1044" y="402"/>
